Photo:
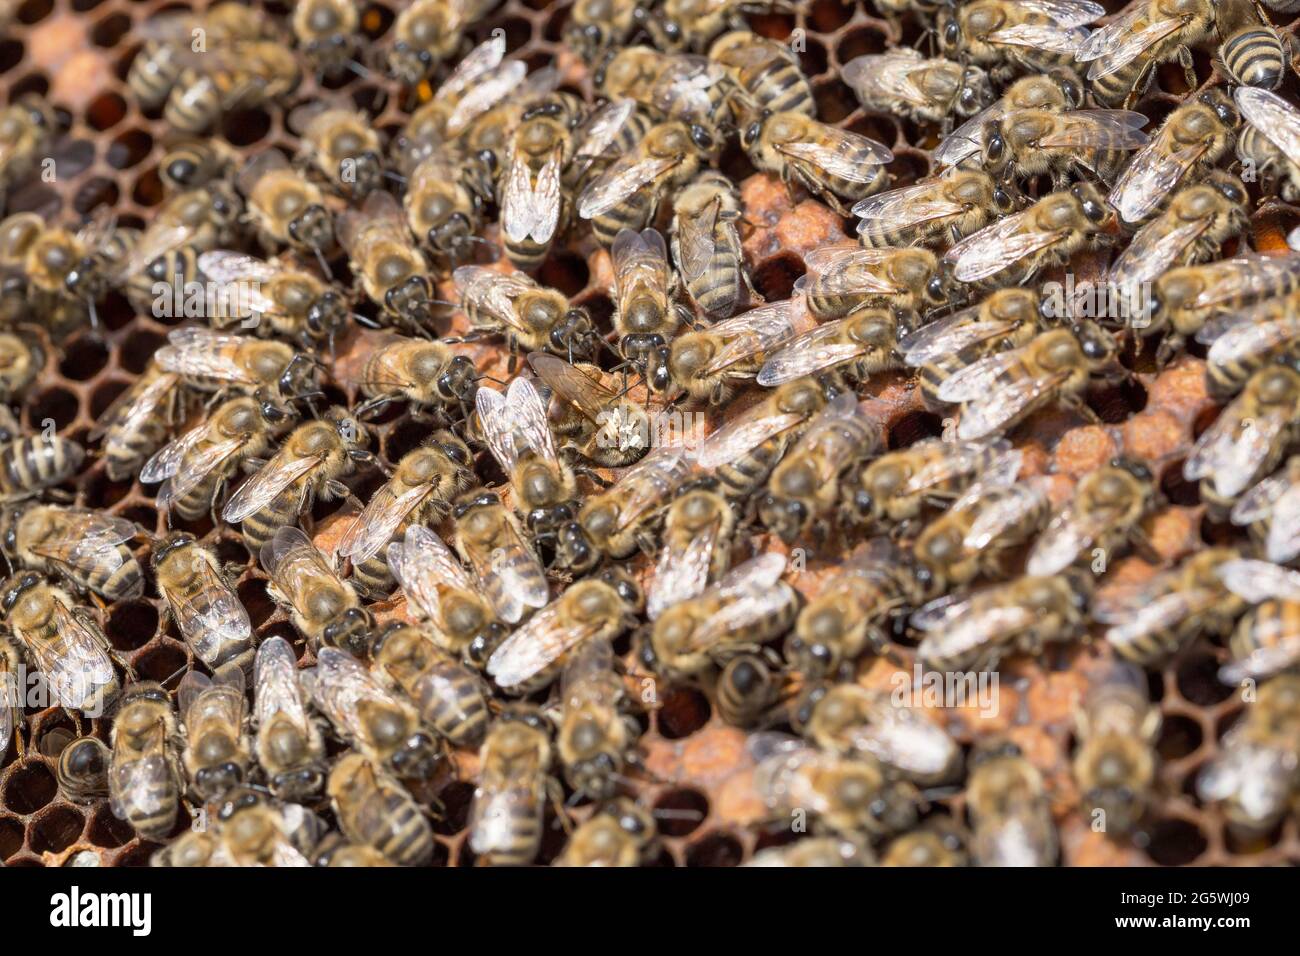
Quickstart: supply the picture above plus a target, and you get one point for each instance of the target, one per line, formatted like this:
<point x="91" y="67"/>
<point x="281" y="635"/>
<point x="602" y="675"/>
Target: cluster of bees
<point x="523" y="595"/>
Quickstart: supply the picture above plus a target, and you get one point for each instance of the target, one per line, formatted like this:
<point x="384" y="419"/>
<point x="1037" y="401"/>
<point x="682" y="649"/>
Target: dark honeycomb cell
<point x="715" y="849"/>
<point x="28" y="787"/>
<point x="683" y="711"/>
<point x="681" y="812"/>
<point x="56" y="830"/>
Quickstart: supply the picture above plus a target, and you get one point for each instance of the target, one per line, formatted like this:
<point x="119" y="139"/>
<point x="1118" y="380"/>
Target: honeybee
<point x="275" y="299"/>
<point x="1104" y="514"/>
<point x="694" y="23"/>
<point x="1189" y="230"/>
<point x="748" y="606"/>
<point x="85" y="548"/>
<point x="803" y="489"/>
<point x="620" y="833"/>
<point x="59" y="269"/>
<point x="307" y="467"/>
<point x="1266" y="641"/>
<point x="144" y="776"/>
<point x="1270" y="142"/>
<point x="1252" y="52"/>
<point x="529" y="315"/>
<point x="1035" y="36"/>
<point x="850" y="350"/>
<point x="69" y="649"/>
<point x="900" y="485"/>
<point x="1034" y="143"/>
<point x="430" y="32"/>
<point x="1017" y="247"/>
<point x="11" y="696"/>
<point x="743" y="452"/>
<point x="768" y="72"/>
<point x="440" y="592"/>
<point x="617" y="522"/>
<point x="421" y="490"/>
<point x="599" y="608"/>
<point x="696" y="548"/>
<point x="448" y="695"/>
<point x="670" y="86"/>
<point x="423" y="373"/>
<point x="848" y="797"/>
<point x="747" y="690"/>
<point x="1001" y="390"/>
<point x="1248" y="439"/>
<point x="327" y="34"/>
<point x="21" y="360"/>
<point x="850" y="719"/>
<point x="254" y="832"/>
<point x="1191" y="140"/>
<point x="1270" y="509"/>
<point x="596" y="27"/>
<point x="709" y="364"/>
<point x="601" y="424"/>
<point x="488" y="536"/>
<point x="1004" y="320"/>
<point x="626" y="195"/>
<point x="516" y="431"/>
<point x="645" y="317"/>
<point x="194" y="163"/>
<point x="26" y="128"/>
<point x="1058" y="89"/>
<point x="903" y="82"/>
<point x="344" y="146"/>
<point x="374" y="810"/>
<point x="215" y="361"/>
<point x="594" y="740"/>
<point x="393" y="271"/>
<point x="815" y="851"/>
<point x="706" y="243"/>
<point x="973" y="537"/>
<point x="217" y="755"/>
<point x="830" y="163"/>
<point x="209" y="615"/>
<point x="1011" y="818"/>
<point x="854" y="610"/>
<point x="82" y="769"/>
<point x="289" y="745"/>
<point x="195" y="468"/>
<point x="324" y="608"/>
<point x="379" y="725"/>
<point x="1254" y="775"/>
<point x="974" y="633"/>
<point x="1243" y="341"/>
<point x="1125" y="53"/>
<point x="193" y="848"/>
<point x="1153" y="621"/>
<point x="933" y="212"/>
<point x="286" y="207"/>
<point x="843" y="278"/>
<point x="1115" y="763"/>
<point x="443" y="209"/>
<point x="514" y="780"/>
<point x="939" y="842"/>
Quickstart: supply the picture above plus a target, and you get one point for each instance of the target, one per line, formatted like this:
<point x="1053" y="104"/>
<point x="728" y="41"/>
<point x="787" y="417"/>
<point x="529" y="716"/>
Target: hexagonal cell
<point x="680" y="811"/>
<point x="11" y="836"/>
<point x="56" y="829"/>
<point x="29" y="786"/>
<point x="682" y="712"/>
<point x="107" y="831"/>
<point x="715" y="849"/>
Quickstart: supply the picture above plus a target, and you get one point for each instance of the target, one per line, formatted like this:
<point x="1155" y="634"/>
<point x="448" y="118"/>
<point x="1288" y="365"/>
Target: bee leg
<point x="592" y="476"/>
<point x="76" y="723"/>
<point x="556" y="794"/>
<point x="1189" y="68"/>
<point x="1145" y="547"/>
<point x="58" y="494"/>
<point x="252" y="465"/>
<point x="1169" y="348"/>
<point x="363" y="457"/>
<point x="1076" y="404"/>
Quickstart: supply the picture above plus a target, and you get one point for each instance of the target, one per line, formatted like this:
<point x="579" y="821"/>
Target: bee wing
<point x="682" y="88"/>
<point x="276" y="689"/>
<point x="477" y="65"/>
<point x="1232" y="450"/>
<point x="763" y="571"/>
<point x="901" y="738"/>
<point x="696" y="240"/>
<point x="423" y="566"/>
<point x="997" y="246"/>
<point x="218" y="619"/>
<point x="1067" y="536"/>
<point x="983" y="624"/>
<point x="747" y="604"/>
<point x="260" y="490"/>
<point x="140" y="788"/>
<point x="144" y="405"/>
<point x="1262" y="500"/>
<point x="1254" y="775"/>
<point x="1259" y="581"/>
<point x="682" y="574"/>
<point x="202" y="353"/>
<point x="491" y="291"/>
<point x="188" y="694"/>
<point x="1162" y="613"/>
<point x="527" y="210"/>
<point x="839" y="255"/>
<point x="202" y="462"/>
<point x="495" y="87"/>
<point x="968" y="138"/>
<point x="752" y="333"/>
<point x="584" y="392"/>
<point x="981" y="378"/>
<point x="1152" y="252"/>
<point x="261" y="164"/>
<point x="624" y="177"/>
<point x="1273" y="116"/>
<point x="528" y="421"/>
<point x="380" y="214"/>
<point x="1098" y="129"/>
<point x="1147" y="180"/>
<point x="948" y="336"/>
<point x="291" y="557"/>
<point x="1283" y="541"/>
<point x="650" y="482"/>
<point x="841" y="153"/>
<point x="1247" y="277"/>
<point x="808" y="353"/>
<point x="157" y="240"/>
<point x="243" y="275"/>
<point x="589" y="676"/>
<point x="88" y="540"/>
<point x="1052" y="37"/>
<point x="74" y="662"/>
<point x="166" y="462"/>
<point x="379" y="520"/>
<point x="908" y="206"/>
<point x="1245" y="339"/>
<point x="598" y="132"/>
<point x="1068" y="13"/>
<point x="1281" y="654"/>
<point x="743" y="434"/>
<point x="537" y="643"/>
<point x="340" y="684"/>
<point x="990" y="414"/>
<point x="886" y="77"/>
<point x="1123" y="40"/>
<point x="1010" y="509"/>
<point x="962" y="457"/>
<point x="494" y="418"/>
<point x="498" y="805"/>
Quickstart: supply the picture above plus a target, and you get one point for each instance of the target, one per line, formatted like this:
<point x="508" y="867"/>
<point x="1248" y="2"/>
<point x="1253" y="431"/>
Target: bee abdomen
<point x="409" y="841"/>
<point x="33" y="462"/>
<point x="373" y="574"/>
<point x="632" y="213"/>
<point x="125" y="452"/>
<point x="458" y="712"/>
<point x="126" y="582"/>
<point x="1254" y="58"/>
<point x="192" y="105"/>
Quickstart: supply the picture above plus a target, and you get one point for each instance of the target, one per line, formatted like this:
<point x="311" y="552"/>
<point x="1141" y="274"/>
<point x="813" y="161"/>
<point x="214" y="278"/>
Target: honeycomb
<point x="77" y="52"/>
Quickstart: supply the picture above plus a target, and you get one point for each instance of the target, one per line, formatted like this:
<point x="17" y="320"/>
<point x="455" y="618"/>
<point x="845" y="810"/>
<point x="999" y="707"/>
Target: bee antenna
<point x="489" y="378"/>
<point x="661" y="814"/>
<point x="320" y="259"/>
<point x="395" y="176"/>
<point x="358" y="69"/>
<point x="367" y="322"/>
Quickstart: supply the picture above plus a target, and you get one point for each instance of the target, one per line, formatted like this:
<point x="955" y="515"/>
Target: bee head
<point x="297" y="785"/>
<point x="313" y="227"/>
<point x="171" y="543"/>
<point x="459" y="380"/>
<point x="16" y="587"/>
<point x="574" y="549"/>
<point x="350" y="631"/>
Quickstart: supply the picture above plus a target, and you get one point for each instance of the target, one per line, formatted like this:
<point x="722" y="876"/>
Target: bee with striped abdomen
<point x="708" y="365"/>
<point x="145" y="776"/>
<point x="1104" y="514"/>
<point x="767" y="71"/>
<point x="208" y="613"/>
<point x="843" y="278"/>
<point x="848" y="350"/>
<point x="323" y="607"/>
<point x="1270" y="142"/>
<point x="1252" y="52"/>
<point x="1035" y="35"/>
<point x="30" y="464"/>
<point x="933" y="212"/>
<point x="1010" y="814"/>
<point x="695" y="549"/>
<point x="489" y="538"/>
<point x="374" y="810"/>
<point x="87" y="548"/>
<point x="217" y="752"/>
<point x="1116" y="761"/>
<point x="289" y="746"/>
<point x="1033" y="143"/>
<point x="594" y="740"/>
<point x="449" y="696"/>
<point x="706" y="244"/>
<point x="1271" y="510"/>
<point x="1126" y="52"/>
<point x="530" y="316"/>
<point x="82" y="769"/>
<point x="392" y="270"/>
<point x="645" y="317"/>
<point x="514" y="782"/>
